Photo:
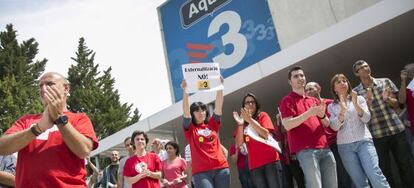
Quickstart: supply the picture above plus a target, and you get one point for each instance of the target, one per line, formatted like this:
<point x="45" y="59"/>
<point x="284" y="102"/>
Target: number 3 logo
<point x="232" y="37"/>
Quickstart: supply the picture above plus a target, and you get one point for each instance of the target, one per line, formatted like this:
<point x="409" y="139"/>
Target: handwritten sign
<point x="202" y="77"/>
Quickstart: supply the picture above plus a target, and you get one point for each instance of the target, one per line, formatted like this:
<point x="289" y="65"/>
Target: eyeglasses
<point x="361" y="67"/>
<point x="250" y="102"/>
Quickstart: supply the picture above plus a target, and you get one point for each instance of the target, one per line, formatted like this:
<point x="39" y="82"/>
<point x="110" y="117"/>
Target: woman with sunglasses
<point x="209" y="165"/>
<point x="263" y="159"/>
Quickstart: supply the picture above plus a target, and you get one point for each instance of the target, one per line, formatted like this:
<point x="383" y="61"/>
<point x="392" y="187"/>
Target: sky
<point x="125" y="35"/>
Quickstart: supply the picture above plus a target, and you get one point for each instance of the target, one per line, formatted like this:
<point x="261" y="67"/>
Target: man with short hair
<point x="344" y="181"/>
<point x="122" y="183"/>
<point x="52" y="146"/>
<point x="110" y="175"/>
<point x="304" y="117"/>
<point x="7" y="171"/>
<point x="385" y="125"/>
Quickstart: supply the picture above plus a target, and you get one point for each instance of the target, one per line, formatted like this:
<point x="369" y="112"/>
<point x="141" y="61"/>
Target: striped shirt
<point x="384" y="119"/>
<point x="354" y="128"/>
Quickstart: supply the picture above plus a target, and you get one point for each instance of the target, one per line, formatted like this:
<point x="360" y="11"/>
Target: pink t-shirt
<point x="172" y="170"/>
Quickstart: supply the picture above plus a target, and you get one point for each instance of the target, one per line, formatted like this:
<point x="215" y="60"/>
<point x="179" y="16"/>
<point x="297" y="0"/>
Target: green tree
<point x="93" y="92"/>
<point x="18" y="74"/>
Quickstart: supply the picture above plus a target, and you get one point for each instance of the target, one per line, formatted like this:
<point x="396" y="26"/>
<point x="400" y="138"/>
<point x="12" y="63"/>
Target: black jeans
<point x="267" y="176"/>
<point x="245" y="178"/>
<point x="396" y="144"/>
<point x="344" y="180"/>
<point x="294" y="172"/>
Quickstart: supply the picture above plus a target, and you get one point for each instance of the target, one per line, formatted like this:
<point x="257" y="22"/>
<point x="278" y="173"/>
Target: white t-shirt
<point x="121" y="171"/>
<point x="187" y="153"/>
<point x="163" y="155"/>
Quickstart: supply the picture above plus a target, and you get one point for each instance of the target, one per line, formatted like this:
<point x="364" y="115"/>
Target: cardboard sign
<point x="202" y="77"/>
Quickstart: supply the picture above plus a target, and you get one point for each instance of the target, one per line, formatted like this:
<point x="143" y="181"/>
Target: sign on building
<point x="233" y="33"/>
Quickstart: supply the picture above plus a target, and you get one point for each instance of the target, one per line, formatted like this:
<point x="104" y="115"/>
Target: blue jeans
<point x="344" y="180"/>
<point x="268" y="175"/>
<point x="361" y="161"/>
<point x="219" y="178"/>
<point x="319" y="168"/>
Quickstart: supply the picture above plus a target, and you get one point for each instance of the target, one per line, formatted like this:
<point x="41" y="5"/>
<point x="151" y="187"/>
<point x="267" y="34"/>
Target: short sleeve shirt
<point x="135" y="165"/>
<point x="47" y="161"/>
<point x="206" y="152"/>
<point x="308" y="135"/>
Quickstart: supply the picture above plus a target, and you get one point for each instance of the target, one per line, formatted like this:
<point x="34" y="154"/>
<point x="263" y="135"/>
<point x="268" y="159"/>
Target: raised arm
<point x="239" y="129"/>
<point x="219" y="101"/>
<point x="402" y="92"/>
<point x="186" y="104"/>
<point x="78" y="143"/>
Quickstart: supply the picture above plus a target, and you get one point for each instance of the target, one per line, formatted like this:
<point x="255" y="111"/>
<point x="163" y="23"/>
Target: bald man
<point x="110" y="175"/>
<point x="51" y="145"/>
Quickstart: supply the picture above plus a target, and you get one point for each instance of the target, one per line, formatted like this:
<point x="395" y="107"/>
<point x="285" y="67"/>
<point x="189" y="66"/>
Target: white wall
<point x="296" y="20"/>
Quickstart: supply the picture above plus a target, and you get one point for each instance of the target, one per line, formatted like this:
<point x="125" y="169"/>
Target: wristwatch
<point x="61" y="120"/>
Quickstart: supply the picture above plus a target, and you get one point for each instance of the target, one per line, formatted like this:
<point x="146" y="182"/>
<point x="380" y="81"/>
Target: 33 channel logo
<point x="234" y="33"/>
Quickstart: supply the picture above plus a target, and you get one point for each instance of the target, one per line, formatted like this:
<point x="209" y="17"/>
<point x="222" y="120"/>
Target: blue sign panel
<point x="233" y="33"/>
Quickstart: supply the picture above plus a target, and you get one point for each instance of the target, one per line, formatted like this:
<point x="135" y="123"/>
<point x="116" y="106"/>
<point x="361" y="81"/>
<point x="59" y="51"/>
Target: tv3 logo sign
<point x="194" y="10"/>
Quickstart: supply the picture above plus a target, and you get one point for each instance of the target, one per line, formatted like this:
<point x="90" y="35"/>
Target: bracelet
<point x="34" y="131"/>
<point x="322" y="117"/>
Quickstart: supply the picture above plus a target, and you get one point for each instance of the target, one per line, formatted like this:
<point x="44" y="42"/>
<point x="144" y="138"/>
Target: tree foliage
<point x="18" y="77"/>
<point x="93" y="92"/>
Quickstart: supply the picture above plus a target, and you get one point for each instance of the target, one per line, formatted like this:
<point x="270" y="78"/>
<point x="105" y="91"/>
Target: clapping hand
<point x="239" y="120"/>
<point x="386" y="93"/>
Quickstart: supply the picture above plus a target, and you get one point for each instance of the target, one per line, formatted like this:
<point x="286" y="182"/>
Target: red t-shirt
<point x="259" y="153"/>
<point x="330" y="133"/>
<point x="206" y="153"/>
<point x="134" y="165"/>
<point x="410" y="107"/>
<point x="47" y="161"/>
<point x="240" y="157"/>
<point x="282" y="138"/>
<point x="308" y="135"/>
<point x="173" y="170"/>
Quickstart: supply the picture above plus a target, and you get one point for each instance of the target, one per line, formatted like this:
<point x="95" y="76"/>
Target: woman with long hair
<point x="144" y="168"/>
<point x="263" y="159"/>
<point x="174" y="167"/>
<point x="209" y="165"/>
<point x="349" y="116"/>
